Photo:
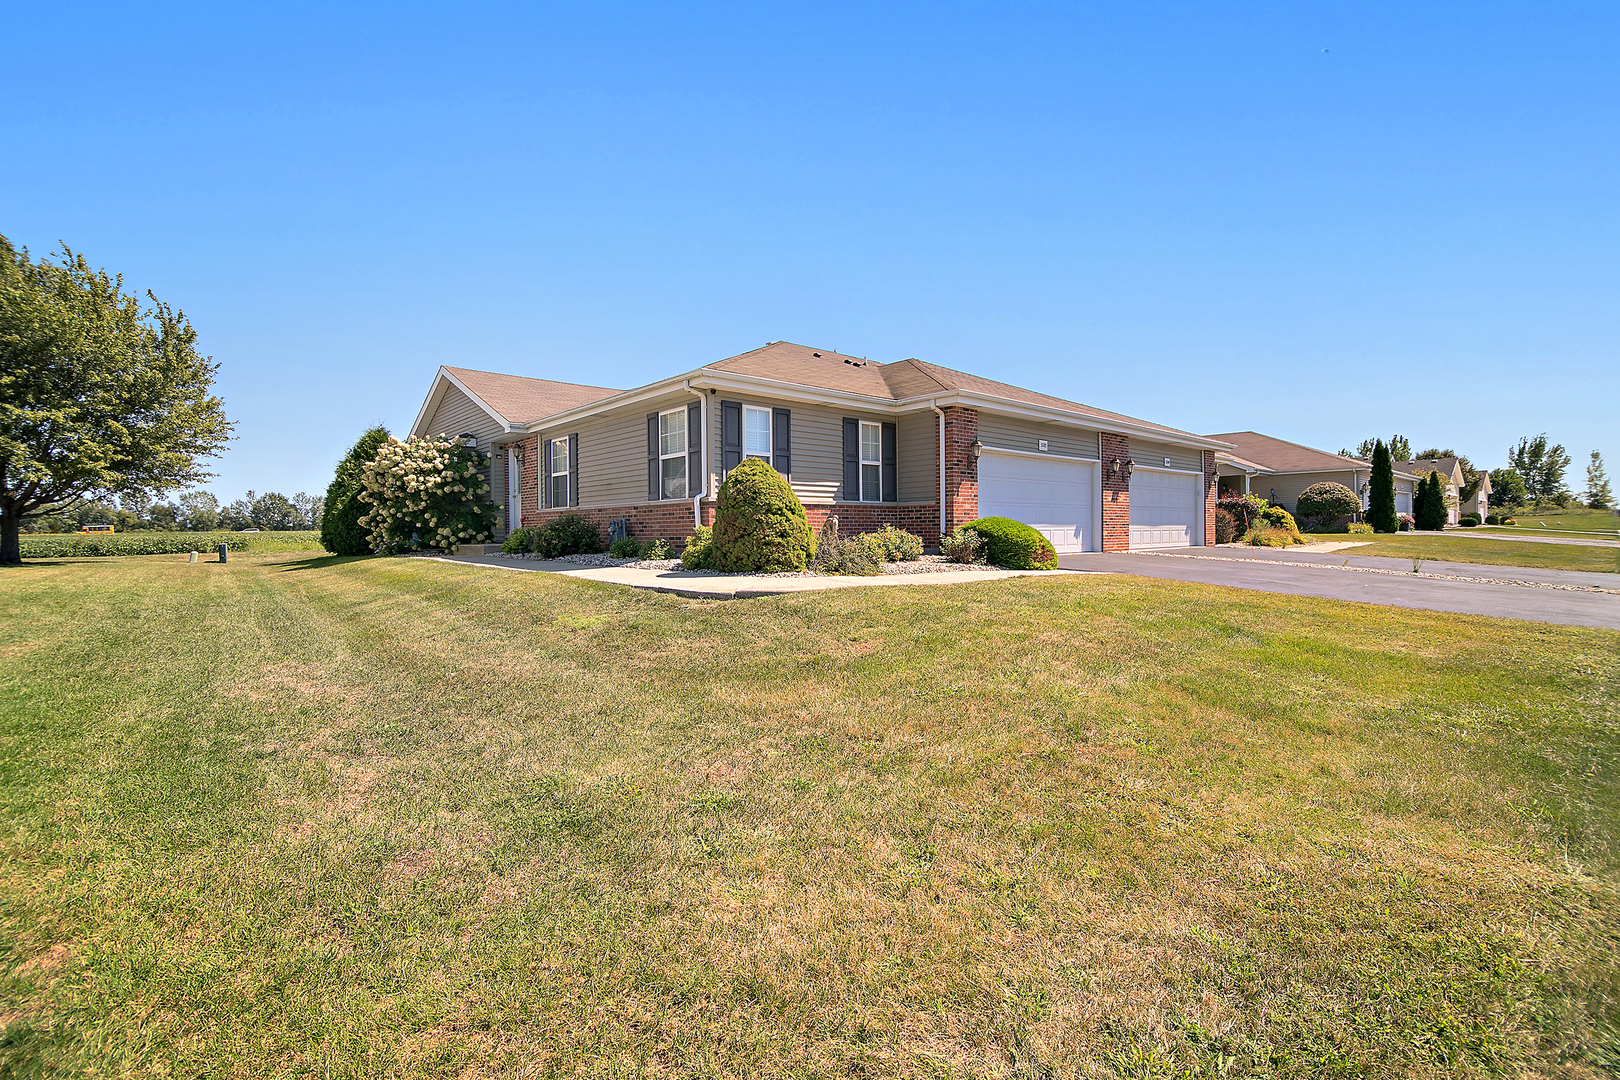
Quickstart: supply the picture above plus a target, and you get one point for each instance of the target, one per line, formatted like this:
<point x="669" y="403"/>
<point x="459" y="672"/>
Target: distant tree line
<point x="1536" y="473"/>
<point x="193" y="511"/>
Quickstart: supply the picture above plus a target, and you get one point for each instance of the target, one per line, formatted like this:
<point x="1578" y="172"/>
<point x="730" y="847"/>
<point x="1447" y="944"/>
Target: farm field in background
<point x="337" y="817"/>
<point x="158" y="542"/>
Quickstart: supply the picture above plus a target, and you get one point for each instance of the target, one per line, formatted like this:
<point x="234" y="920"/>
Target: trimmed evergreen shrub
<point x="625" y="547"/>
<point x="1225" y="526"/>
<point x="1429" y="505"/>
<point x="1381" y="491"/>
<point x="570" y="534"/>
<point x="1325" y="503"/>
<point x="699" y="551"/>
<point x="1014" y="545"/>
<point x="341" y="531"/>
<point x="759" y="524"/>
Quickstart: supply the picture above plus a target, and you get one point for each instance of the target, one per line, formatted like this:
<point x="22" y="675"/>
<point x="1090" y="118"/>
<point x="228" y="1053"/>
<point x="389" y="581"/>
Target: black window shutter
<point x="730" y="435"/>
<point x="573" y="470"/>
<point x="695" y="480"/>
<point x="782" y="436"/>
<point x="852" y="459"/>
<point x="890" y="470"/>
<point x="654" y="489"/>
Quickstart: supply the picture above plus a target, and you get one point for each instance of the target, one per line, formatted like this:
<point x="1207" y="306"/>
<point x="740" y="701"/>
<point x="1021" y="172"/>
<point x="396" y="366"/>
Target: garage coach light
<point x="977" y="447"/>
<point x="1118" y="468"/>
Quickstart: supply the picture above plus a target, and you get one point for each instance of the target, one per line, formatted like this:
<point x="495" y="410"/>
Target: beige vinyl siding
<point x="1287" y="486"/>
<point x="457" y="413"/>
<point x="917" y="440"/>
<point x="1152" y="454"/>
<point x="1015" y="433"/>
<point x="613" y="451"/>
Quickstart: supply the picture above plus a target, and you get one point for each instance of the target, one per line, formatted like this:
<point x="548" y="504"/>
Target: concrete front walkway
<point x="701" y="586"/>
<point x="1570" y="597"/>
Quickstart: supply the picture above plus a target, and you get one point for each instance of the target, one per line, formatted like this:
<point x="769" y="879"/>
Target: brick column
<point x="1211" y="483"/>
<point x="961" y="467"/>
<point x="1116" y="494"/>
<point x="530" y="472"/>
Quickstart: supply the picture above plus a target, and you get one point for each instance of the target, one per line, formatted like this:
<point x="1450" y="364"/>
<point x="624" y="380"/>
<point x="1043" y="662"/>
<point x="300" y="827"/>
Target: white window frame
<point x="680" y="415"/>
<point x="770" y="433"/>
<point x="877" y="462"/>
<point x="552" y="473"/>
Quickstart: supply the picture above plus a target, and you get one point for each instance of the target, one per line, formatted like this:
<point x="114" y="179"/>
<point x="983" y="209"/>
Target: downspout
<point x="703" y="426"/>
<point x="943" y="531"/>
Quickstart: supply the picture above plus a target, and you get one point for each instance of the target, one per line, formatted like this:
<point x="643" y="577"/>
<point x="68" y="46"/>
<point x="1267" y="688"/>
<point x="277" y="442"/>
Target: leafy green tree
<point x="1598" y="495"/>
<point x="310" y="508"/>
<point x="199" y="511"/>
<point x="1399" y="449"/>
<point x="1381" y="493"/>
<point x="341" y="531"/>
<point x="275" y="512"/>
<point x="1542" y="466"/>
<point x="99" y="393"/>
<point x="1507" y="488"/>
<point x="238" y="515"/>
<point x="1472" y="477"/>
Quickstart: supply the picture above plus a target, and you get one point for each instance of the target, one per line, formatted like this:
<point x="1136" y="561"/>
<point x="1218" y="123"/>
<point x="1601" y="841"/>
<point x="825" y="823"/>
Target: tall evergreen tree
<point x="1429" y="507"/>
<point x="1381" y="493"/>
<point x="1598" y="494"/>
<point x="341" y="531"/>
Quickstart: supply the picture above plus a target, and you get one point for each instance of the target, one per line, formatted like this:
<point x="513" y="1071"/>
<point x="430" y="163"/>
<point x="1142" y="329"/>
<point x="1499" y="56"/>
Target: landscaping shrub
<point x="1493" y="519"/>
<point x="570" y="534"/>
<point x="655" y="549"/>
<point x="1360" y="528"/>
<point x="1225" y="526"/>
<point x="341" y="531"/>
<point x="1322" y="505"/>
<point x="699" y="551"/>
<point x="857" y="555"/>
<point x="1429" y="504"/>
<point x="895" y="545"/>
<point x="1278" y="518"/>
<point x="425" y="493"/>
<point x="1469" y="520"/>
<point x="1273" y="537"/>
<point x="759" y="524"/>
<point x="1405" y="521"/>
<point x="1245" y="510"/>
<point x="963" y="546"/>
<point x="1381" y="491"/>
<point x="1014" y="545"/>
<point x="625" y="547"/>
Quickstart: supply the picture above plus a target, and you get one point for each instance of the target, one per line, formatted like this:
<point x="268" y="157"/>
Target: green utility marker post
<point x="222" y="550"/>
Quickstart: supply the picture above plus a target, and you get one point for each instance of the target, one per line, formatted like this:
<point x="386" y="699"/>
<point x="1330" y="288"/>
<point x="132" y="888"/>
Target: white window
<point x="757" y="433"/>
<point x="559" y="473"/>
<point x="871" y="462"/>
<point x="672" y="453"/>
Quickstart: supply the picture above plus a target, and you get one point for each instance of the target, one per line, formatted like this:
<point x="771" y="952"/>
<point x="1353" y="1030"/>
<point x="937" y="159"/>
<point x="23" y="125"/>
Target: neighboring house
<point x="908" y="443"/>
<point x="1278" y="470"/>
<point x="1451" y="475"/>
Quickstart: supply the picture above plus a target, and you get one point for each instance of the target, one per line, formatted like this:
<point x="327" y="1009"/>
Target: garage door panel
<point x="1056" y="498"/>
<point x="1167" y="509"/>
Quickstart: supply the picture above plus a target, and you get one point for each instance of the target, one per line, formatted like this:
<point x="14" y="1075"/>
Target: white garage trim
<point x="1058" y="496"/>
<point x="1036" y="454"/>
<point x="1176" y="519"/>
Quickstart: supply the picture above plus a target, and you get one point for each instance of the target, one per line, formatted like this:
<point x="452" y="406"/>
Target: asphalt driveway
<point x="1570" y="597"/>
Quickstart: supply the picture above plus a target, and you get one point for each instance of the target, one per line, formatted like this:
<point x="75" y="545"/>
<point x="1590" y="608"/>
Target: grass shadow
<point x="320" y="562"/>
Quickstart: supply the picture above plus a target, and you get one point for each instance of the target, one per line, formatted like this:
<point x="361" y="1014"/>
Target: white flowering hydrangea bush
<point x="426" y="493"/>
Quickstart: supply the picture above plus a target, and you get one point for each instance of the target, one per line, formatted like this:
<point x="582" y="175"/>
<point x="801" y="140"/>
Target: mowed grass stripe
<point x="389" y="817"/>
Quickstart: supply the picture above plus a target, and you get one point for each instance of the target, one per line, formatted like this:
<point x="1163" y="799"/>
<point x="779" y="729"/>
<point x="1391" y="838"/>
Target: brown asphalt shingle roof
<point x="519" y="400"/>
<point x="1280" y="455"/>
<point x="802" y="365"/>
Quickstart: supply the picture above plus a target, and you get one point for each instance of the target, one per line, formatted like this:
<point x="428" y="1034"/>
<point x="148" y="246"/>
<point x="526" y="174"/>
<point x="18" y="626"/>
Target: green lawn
<point x="387" y="817"/>
<point x="1497" y="553"/>
<point x="1573" y="519"/>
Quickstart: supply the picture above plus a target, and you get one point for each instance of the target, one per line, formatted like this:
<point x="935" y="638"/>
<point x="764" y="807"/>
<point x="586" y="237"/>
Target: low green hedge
<point x="1014" y="545"/>
<point x="90" y="545"/>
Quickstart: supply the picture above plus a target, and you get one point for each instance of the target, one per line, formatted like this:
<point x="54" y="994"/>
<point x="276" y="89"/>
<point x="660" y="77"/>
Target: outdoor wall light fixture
<point x="977" y="447"/>
<point x="1130" y="467"/>
<point x="1118" y="468"/>
<point x="467" y="438"/>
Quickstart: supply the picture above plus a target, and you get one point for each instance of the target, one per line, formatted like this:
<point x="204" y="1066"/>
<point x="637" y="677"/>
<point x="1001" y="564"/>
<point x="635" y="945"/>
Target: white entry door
<point x="514" y="492"/>
<point x="1054" y="496"/>
<point x="1167" y="508"/>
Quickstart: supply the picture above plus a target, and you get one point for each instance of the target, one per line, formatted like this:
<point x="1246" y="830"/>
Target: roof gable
<point x="1280" y="455"/>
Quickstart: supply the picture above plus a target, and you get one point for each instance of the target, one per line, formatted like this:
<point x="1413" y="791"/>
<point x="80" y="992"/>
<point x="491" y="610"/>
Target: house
<point x="910" y="443"/>
<point x="1452" y="477"/>
<point x="1278" y="470"/>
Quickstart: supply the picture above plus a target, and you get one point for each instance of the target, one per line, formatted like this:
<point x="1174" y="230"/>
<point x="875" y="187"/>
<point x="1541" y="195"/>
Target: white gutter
<point x="942" y="519"/>
<point x="703" y="428"/>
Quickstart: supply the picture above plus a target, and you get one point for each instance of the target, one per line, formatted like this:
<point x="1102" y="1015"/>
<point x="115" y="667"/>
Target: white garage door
<point x="1167" y="509"/>
<point x="1403" y="501"/>
<point x="1057" y="498"/>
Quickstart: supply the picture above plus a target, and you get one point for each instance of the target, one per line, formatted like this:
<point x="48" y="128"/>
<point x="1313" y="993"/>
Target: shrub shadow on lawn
<point x="320" y="562"/>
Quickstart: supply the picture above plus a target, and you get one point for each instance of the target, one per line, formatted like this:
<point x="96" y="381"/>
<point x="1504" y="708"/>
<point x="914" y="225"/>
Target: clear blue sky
<point x="1318" y="220"/>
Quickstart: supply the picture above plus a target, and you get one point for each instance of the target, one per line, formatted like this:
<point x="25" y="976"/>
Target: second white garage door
<point x="1057" y="497"/>
<point x="1167" y="509"/>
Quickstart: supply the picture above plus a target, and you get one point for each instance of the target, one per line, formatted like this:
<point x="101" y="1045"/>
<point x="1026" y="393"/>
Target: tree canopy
<point x="100" y="393"/>
<point x="1542" y="466"/>
<point x="1399" y="449"/>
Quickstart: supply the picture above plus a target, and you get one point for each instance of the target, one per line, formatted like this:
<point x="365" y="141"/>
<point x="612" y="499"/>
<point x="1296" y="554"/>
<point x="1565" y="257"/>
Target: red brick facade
<point x="961" y="467"/>
<point x="1116" y="493"/>
<point x="1211" y="483"/>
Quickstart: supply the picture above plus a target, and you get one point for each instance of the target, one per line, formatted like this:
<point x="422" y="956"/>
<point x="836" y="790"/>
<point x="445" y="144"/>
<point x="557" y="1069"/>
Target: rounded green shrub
<point x="1323" y="504"/>
<point x="625" y="547"/>
<point x="517" y="541"/>
<point x="568" y="534"/>
<point x="1014" y="545"/>
<point x="341" y="531"/>
<point x="759" y="524"/>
